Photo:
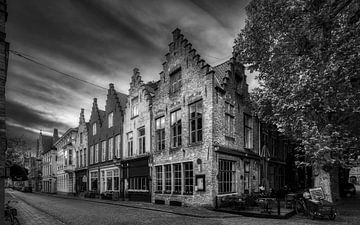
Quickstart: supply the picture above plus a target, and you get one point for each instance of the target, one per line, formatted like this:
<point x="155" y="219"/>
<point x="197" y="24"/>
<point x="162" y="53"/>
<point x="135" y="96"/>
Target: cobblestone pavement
<point x="30" y="215"/>
<point x="74" y="211"/>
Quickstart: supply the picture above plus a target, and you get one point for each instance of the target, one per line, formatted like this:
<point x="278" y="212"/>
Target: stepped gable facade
<point x="105" y="142"/>
<point x="81" y="155"/>
<point x="182" y="128"/>
<point x="137" y="139"/>
<point x="48" y="162"/>
<point x="205" y="142"/>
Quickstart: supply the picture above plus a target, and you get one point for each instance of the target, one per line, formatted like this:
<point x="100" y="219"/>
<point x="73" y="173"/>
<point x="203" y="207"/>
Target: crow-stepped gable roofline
<point x="180" y="45"/>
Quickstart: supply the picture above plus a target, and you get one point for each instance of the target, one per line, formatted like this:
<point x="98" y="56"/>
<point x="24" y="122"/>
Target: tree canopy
<point x="307" y="55"/>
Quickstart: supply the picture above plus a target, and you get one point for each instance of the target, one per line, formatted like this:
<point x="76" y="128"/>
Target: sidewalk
<point x="198" y="212"/>
<point x="29" y="215"/>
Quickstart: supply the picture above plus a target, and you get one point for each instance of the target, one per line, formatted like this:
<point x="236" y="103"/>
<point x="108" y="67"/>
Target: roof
<point x="66" y="133"/>
<point x="47" y="143"/>
<point x="152" y="86"/>
<point x="220" y="72"/>
<point x="122" y="98"/>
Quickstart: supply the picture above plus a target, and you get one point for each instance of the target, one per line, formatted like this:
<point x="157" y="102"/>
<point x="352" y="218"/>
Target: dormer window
<point x="134" y="107"/>
<point x="175" y="81"/>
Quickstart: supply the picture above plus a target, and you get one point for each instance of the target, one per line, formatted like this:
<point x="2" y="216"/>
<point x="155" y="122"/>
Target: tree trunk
<point x="328" y="180"/>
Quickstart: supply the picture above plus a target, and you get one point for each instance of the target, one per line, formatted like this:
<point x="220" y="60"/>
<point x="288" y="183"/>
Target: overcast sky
<point x="101" y="42"/>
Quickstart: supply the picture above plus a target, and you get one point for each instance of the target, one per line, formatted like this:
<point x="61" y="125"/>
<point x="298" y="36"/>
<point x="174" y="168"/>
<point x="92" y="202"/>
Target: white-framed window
<point x="229" y="119"/>
<point x="226" y="176"/>
<point x="91" y="154"/>
<point x="130" y="143"/>
<point x="159" y="178"/>
<point x="93" y="181"/>
<point x="96" y="153"/>
<point x="84" y="158"/>
<point x="141" y="137"/>
<point x="248" y="131"/>
<point x="160" y="133"/>
<point x="168" y="179"/>
<point x="176" y="129"/>
<point x="80" y="163"/>
<point x="175" y="81"/>
<point x="196" y="113"/>
<point x="117" y="146"/>
<point x="134" y="106"/>
<point x="103" y="151"/>
<point x="177" y="178"/>
<point x="111" y="148"/>
<point x="94" y="128"/>
<point x="110" y="119"/>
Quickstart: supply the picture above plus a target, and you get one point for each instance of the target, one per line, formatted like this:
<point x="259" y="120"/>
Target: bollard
<point x="278" y="206"/>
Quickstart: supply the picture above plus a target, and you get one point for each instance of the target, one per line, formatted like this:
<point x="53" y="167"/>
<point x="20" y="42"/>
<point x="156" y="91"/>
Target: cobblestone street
<point x="43" y="209"/>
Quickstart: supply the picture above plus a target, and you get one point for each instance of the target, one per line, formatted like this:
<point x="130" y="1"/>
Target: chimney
<point x="82" y="117"/>
<point x="95" y="103"/>
<point x="55" y="135"/>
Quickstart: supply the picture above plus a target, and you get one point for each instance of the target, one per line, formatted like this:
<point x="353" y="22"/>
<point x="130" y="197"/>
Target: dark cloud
<point x="20" y="114"/>
<point x="101" y="42"/>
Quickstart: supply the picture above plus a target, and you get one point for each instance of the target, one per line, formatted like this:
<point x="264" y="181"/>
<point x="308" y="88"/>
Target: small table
<point x="266" y="204"/>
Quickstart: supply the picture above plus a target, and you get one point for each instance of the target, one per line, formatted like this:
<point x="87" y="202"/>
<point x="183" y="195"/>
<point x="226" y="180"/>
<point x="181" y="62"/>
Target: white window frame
<point x="117" y="146"/>
<point x="111" y="148"/>
<point x="110" y="119"/>
<point x="94" y="131"/>
<point x="103" y="151"/>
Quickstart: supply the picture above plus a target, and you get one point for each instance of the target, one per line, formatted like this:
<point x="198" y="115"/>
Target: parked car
<point x="347" y="190"/>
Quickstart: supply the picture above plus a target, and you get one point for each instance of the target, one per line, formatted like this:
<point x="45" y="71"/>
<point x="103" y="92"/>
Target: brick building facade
<point x="105" y="142"/>
<point x="137" y="139"/>
<point x="186" y="139"/>
<point x="48" y="162"/>
<point x="81" y="154"/>
<point x="206" y="139"/>
<point x="183" y="127"/>
<point x="65" y="155"/>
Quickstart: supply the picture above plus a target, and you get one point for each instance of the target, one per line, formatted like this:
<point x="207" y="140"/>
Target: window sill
<point x="135" y="190"/>
<point x="229" y="138"/>
<point x="195" y="144"/>
<point x="174" y="149"/>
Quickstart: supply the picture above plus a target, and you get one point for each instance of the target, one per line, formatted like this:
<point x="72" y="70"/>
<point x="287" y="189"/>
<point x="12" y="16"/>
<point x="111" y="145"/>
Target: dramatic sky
<point x="101" y="42"/>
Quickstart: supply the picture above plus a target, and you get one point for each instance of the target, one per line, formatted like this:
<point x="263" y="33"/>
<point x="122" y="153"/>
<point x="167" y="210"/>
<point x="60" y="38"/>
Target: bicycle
<point x="300" y="205"/>
<point x="10" y="214"/>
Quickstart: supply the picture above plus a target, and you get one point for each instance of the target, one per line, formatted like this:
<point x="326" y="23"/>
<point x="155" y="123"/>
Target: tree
<point x="306" y="53"/>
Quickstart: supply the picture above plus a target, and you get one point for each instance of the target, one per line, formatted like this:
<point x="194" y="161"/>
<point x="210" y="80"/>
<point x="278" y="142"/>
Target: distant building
<point x="81" y="152"/>
<point x="48" y="159"/>
<point x="104" y="141"/>
<point x="137" y="139"/>
<point x="65" y="163"/>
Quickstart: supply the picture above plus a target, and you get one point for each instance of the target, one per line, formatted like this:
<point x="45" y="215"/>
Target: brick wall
<point x="196" y="85"/>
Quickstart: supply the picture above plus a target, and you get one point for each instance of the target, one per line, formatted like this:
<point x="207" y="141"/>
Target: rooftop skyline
<point x="101" y="42"/>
